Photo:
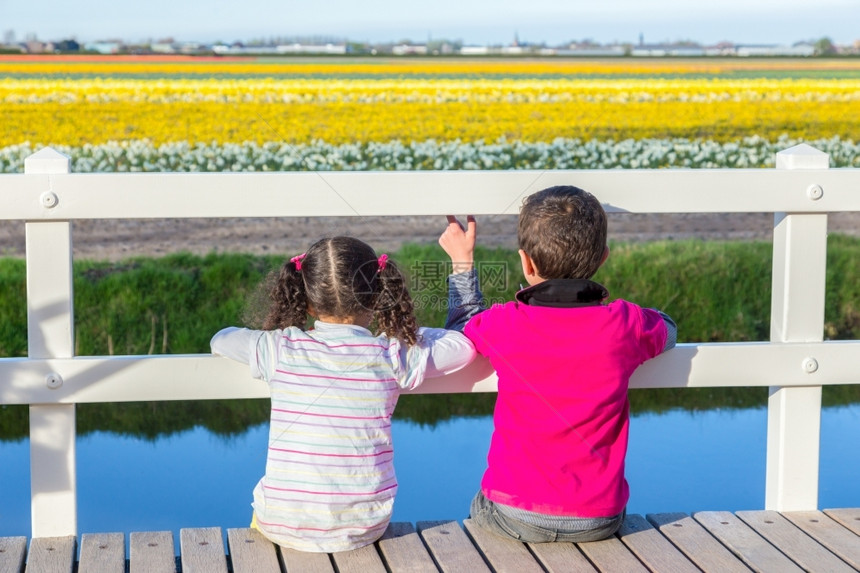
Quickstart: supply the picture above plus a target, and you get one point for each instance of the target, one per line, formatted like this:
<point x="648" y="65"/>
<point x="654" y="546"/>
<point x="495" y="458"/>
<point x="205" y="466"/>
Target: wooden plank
<point x="696" y="543"/>
<point x="251" y="552"/>
<point x="652" y="549"/>
<point x="362" y="560"/>
<point x="800" y="547"/>
<point x="52" y="554"/>
<point x="403" y="550"/>
<point x="151" y="552"/>
<point x="450" y="547"/>
<point x="102" y="553"/>
<point x="503" y="555"/>
<point x="829" y="533"/>
<point x="202" y="550"/>
<point x="752" y="548"/>
<point x="849" y="517"/>
<point x="611" y="556"/>
<point x="561" y="558"/>
<point x="292" y="560"/>
<point x="12" y="552"/>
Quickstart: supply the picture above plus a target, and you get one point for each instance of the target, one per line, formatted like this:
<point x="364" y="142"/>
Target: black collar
<point x="564" y="293"/>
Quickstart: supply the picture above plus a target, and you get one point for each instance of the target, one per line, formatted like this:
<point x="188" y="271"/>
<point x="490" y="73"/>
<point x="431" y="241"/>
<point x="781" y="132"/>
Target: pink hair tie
<point x="297" y="260"/>
<point x="382" y="260"/>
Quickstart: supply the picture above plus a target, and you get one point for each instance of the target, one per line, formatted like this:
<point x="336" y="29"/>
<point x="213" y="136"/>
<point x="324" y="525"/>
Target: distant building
<point x="474" y="50"/>
<point x="721" y="49"/>
<point x="591" y="50"/>
<point x="240" y="50"/>
<point x="514" y="50"/>
<point x="67" y="46"/>
<point x="444" y="47"/>
<point x="330" y="45"/>
<point x="37" y="47"/>
<point x="281" y="49"/>
<point x="297" y="48"/>
<point x="193" y="48"/>
<point x="163" y="47"/>
<point x="110" y="47"/>
<point x="797" y="50"/>
<point x="661" y="50"/>
<point x="409" y="50"/>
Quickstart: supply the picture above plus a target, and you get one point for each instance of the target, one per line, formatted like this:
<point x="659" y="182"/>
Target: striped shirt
<point x="329" y="483"/>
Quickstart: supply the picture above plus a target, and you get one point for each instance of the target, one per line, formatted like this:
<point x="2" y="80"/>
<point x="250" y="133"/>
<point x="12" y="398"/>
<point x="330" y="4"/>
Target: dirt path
<point x="114" y="240"/>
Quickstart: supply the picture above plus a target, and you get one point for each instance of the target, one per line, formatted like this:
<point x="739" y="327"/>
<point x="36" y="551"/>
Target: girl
<point x="329" y="483"/>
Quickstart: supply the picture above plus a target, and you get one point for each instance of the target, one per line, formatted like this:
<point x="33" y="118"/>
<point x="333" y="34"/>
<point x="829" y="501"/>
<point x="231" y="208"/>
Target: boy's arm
<point x="459" y="243"/>
<point x="465" y="299"/>
<point x="464" y="296"/>
<point x="671" y="331"/>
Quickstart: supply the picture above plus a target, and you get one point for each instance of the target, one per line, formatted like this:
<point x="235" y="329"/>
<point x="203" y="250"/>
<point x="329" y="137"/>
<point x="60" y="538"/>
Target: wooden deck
<point x="717" y="541"/>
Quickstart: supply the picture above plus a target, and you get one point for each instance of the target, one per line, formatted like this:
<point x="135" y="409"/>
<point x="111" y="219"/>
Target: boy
<point x="563" y="359"/>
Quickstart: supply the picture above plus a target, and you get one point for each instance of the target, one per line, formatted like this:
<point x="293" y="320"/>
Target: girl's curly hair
<point x="342" y="277"/>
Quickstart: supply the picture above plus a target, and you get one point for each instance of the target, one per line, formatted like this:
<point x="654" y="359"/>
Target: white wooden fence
<point x="795" y="363"/>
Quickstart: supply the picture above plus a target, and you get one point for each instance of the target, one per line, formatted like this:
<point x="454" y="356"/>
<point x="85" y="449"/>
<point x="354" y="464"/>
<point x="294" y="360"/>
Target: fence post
<point x="797" y="315"/>
<point x="50" y="334"/>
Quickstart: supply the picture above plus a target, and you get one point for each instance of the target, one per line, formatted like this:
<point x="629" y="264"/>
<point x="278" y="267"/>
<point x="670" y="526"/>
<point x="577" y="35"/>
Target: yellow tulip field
<point x="176" y="103"/>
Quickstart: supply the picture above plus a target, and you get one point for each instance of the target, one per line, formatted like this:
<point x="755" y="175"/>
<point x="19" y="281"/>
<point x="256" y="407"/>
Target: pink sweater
<point x="561" y="416"/>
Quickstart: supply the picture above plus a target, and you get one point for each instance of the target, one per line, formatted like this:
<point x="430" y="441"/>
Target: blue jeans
<point x="486" y="514"/>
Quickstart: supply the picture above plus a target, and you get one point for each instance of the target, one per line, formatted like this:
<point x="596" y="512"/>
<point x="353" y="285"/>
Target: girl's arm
<point x="437" y="353"/>
<point x="448" y="351"/>
<point x="234" y="343"/>
<point x="243" y="345"/>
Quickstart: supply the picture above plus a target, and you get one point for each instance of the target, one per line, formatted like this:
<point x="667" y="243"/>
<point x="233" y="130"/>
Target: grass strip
<point x="716" y="291"/>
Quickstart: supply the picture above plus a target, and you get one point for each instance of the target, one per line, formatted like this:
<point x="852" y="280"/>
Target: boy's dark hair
<point x="563" y="230"/>
<point x="342" y="277"/>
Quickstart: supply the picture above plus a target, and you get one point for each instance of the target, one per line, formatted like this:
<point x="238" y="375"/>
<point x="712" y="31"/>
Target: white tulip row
<point x="141" y="155"/>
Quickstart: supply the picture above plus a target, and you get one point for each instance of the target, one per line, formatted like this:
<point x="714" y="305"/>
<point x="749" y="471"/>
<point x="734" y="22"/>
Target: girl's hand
<point x="459" y="242"/>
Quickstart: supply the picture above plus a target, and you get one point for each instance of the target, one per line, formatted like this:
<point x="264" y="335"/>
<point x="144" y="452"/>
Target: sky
<point x="471" y="21"/>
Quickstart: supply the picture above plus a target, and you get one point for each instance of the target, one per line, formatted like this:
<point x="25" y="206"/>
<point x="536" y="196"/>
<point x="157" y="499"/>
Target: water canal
<point x="165" y="466"/>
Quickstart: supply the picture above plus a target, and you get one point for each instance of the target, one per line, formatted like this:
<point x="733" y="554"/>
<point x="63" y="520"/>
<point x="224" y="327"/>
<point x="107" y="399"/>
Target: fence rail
<point x="350" y="194"/>
<point x="794" y="364"/>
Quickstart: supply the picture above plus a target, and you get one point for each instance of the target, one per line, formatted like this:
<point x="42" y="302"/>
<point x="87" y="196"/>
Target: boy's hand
<point x="459" y="242"/>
